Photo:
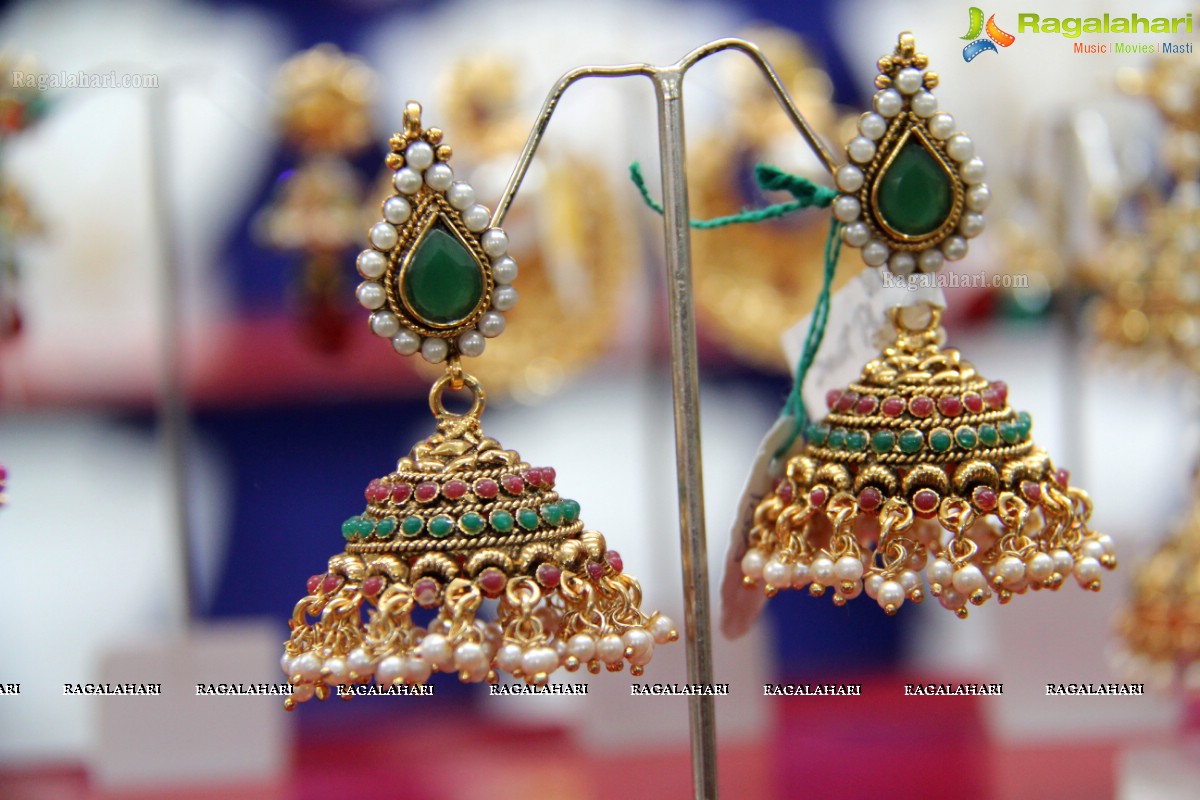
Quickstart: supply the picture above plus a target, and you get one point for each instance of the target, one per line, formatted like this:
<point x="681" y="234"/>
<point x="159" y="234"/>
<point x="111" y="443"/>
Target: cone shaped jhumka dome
<point x="459" y="522"/>
<point x="922" y="464"/>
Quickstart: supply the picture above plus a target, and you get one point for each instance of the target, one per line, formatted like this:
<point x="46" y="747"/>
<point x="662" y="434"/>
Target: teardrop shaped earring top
<point x="912" y="192"/>
<point x="438" y="275"/>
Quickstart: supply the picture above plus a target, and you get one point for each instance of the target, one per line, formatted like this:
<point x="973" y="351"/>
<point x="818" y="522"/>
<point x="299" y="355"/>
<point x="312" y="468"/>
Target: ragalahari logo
<point x="995" y="36"/>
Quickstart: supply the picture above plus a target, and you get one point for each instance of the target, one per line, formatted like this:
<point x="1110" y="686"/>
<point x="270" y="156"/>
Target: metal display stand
<point x="668" y="93"/>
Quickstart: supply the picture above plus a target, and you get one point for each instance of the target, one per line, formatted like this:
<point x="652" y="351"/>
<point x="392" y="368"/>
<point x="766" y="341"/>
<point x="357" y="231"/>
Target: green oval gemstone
<point x="385" y="527"/>
<point x="965" y="436"/>
<point x="911" y="441"/>
<point x="412" y="526"/>
<point x="443" y="282"/>
<point x="502" y="521"/>
<point x="471" y="523"/>
<point x="1024" y="424"/>
<point x="364" y="527"/>
<point x="570" y="509"/>
<point x="552" y="513"/>
<point x="988" y="435"/>
<point x="856" y="440"/>
<point x="1010" y="432"/>
<point x="818" y="434"/>
<point x="940" y="440"/>
<point x="883" y="441"/>
<point x="914" y="195"/>
<point x="527" y="518"/>
<point x="837" y="439"/>
<point x="441" y="526"/>
<point x="350" y="528"/>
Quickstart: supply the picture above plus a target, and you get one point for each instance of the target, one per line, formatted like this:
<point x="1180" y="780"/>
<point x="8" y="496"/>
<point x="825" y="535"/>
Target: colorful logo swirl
<point x="995" y="36"/>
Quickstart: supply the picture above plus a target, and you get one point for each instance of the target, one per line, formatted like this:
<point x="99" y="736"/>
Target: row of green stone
<point x="471" y="523"/>
<point x="911" y="440"/>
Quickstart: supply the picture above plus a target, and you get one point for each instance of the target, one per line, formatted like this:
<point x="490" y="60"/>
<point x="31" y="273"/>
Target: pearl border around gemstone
<point x="907" y="95"/>
<point x="421" y="169"/>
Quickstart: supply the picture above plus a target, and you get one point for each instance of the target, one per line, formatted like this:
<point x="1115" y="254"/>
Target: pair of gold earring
<point x="921" y="462"/>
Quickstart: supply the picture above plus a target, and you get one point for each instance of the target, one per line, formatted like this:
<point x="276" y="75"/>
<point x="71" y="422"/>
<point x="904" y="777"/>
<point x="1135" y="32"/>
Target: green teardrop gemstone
<point x="914" y="194"/>
<point x="443" y="282"/>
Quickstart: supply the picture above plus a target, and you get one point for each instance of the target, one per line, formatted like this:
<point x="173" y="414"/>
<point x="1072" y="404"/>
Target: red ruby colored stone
<point x="973" y="402"/>
<point x="984" y="497"/>
<point x="373" y="585"/>
<point x="513" y="484"/>
<point x="870" y="498"/>
<point x="817" y="497"/>
<point x="866" y="404"/>
<point x="1063" y="477"/>
<point x="921" y="406"/>
<point x="533" y="476"/>
<point x="1032" y="491"/>
<point x="847" y="401"/>
<point x="548" y="575"/>
<point x="486" y="488"/>
<point x="331" y="583"/>
<point x="785" y="492"/>
<point x="832" y="397"/>
<point x="426" y="491"/>
<point x="492" y="581"/>
<point x="376" y="492"/>
<point x="614" y="560"/>
<point x="893" y="406"/>
<point x="454" y="490"/>
<point x="995" y="394"/>
<point x="950" y="405"/>
<point x="425" y="592"/>
<point x="595" y="570"/>
<point x="549" y="476"/>
<point x="925" y="501"/>
<point x="314" y="583"/>
<point x="401" y="492"/>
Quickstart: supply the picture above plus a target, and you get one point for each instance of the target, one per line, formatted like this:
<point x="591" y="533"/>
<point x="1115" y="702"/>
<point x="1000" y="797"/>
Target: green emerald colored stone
<point x="1010" y="432"/>
<point x="364" y="526"/>
<point x="837" y="439"/>
<point x="818" y="434"/>
<point x="856" y="441"/>
<point x="883" y="441"/>
<point x="350" y="528"/>
<point x="443" y="282"/>
<point x="552" y="513"/>
<point x="385" y="527"/>
<point x="965" y="436"/>
<point x="502" y="521"/>
<point x="472" y="523"/>
<point x="412" y="526"/>
<point x="914" y="195"/>
<point x="940" y="440"/>
<point x="1024" y="424"/>
<point x="527" y="518"/>
<point x="911" y="441"/>
<point x="570" y="509"/>
<point x="988" y="435"/>
<point x="441" y="526"/>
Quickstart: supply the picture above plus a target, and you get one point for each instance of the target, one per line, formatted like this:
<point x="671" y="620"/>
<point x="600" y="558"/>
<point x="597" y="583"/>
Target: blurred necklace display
<point x="325" y="112"/>
<point x="751" y="279"/>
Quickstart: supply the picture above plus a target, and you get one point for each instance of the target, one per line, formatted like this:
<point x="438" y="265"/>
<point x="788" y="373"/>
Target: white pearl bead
<point x="969" y="579"/>
<point x="940" y="571"/>
<point x="439" y="177"/>
<point x="307" y="666"/>
<point x="849" y="178"/>
<point x="846" y="208"/>
<point x="384" y="236"/>
<point x="902" y="263"/>
<point x="891" y="594"/>
<point x="753" y="563"/>
<point x="848" y="568"/>
<point x="920" y="557"/>
<point x="872" y="125"/>
<point x="978" y="197"/>
<point x="582" y="646"/>
<point x="469" y="656"/>
<point x="889" y="102"/>
<point x="434" y="350"/>
<point x="821" y="571"/>
<point x="871" y="585"/>
<point x="461" y="195"/>
<point x="360" y="662"/>
<point x="435" y="649"/>
<point x="1010" y="569"/>
<point x="856" y="234"/>
<point x="960" y="147"/>
<point x="1040" y="567"/>
<point x="875" y="252"/>
<point x="504" y="298"/>
<point x="642" y="643"/>
<point x="476" y="217"/>
<point x="491" y="324"/>
<point x="660" y="628"/>
<point x="1107" y="543"/>
<point x="909" y="80"/>
<point x="370" y="295"/>
<point x="406" y="342"/>
<point x="303" y="692"/>
<point x="800" y="576"/>
<point x="952" y="599"/>
<point x="337" y="670"/>
<point x="407" y="181"/>
<point x="371" y="263"/>
<point x="471" y="343"/>
<point x="415" y="670"/>
<point x="931" y="260"/>
<point x="508" y="657"/>
<point x="909" y="580"/>
<point x="419" y="155"/>
<point x="861" y="149"/>
<point x="972" y="170"/>
<point x="504" y="270"/>
<point x="397" y="209"/>
<point x="1091" y="549"/>
<point x="611" y="648"/>
<point x="954" y="248"/>
<point x="941" y="125"/>
<point x="540" y="660"/>
<point x="1087" y="570"/>
<point x="971" y="224"/>
<point x="924" y="104"/>
<point x="1064" y="562"/>
<point x="285" y="663"/>
<point x="385" y="324"/>
<point x="777" y="573"/>
<point x="495" y="242"/>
